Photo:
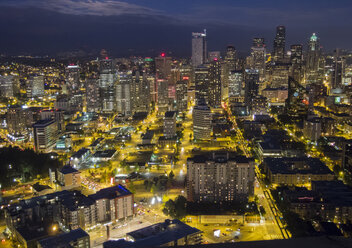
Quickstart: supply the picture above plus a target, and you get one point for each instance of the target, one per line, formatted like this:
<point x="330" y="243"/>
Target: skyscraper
<point x="258" y="42"/>
<point x="35" y="87"/>
<point x="251" y="84"/>
<point x="199" y="48"/>
<point x="107" y="80"/>
<point x="336" y="78"/>
<point x="235" y="83"/>
<point x="214" y="95"/>
<point x="296" y="62"/>
<point x="15" y="119"/>
<point x="140" y="92"/>
<point x="9" y="86"/>
<point x="163" y="67"/>
<point x="313" y="58"/>
<point x="279" y="44"/>
<point x="92" y="95"/>
<point x="181" y="96"/>
<point x="258" y="53"/>
<point x="123" y="96"/>
<point x="201" y="121"/>
<point x="228" y="65"/>
<point x="201" y="81"/>
<point x="73" y="79"/>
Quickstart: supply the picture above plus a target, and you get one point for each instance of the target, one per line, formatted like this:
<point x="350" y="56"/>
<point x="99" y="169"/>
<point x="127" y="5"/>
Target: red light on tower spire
<point x="162" y="54"/>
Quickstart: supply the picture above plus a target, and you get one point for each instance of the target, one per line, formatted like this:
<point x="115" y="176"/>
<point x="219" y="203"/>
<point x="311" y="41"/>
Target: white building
<point x="199" y="48"/>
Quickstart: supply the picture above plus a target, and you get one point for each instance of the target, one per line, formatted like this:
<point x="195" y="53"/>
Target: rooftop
<point x="104" y="154"/>
<point x="64" y="239"/>
<point x="170" y="114"/>
<point x="111" y="193"/>
<point x="303" y="165"/>
<point x="219" y="157"/>
<point x="80" y="153"/>
<point x="43" y="123"/>
<point x="155" y="235"/>
<point x="39" y="187"/>
<point x="67" y="169"/>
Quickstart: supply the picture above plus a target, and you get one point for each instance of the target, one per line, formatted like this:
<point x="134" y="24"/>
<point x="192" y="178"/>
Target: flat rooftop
<point x="303" y="165"/>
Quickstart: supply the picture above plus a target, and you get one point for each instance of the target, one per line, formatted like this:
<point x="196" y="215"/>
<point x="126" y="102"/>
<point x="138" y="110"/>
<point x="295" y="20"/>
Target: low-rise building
<point x="69" y="177"/>
<point x="72" y="209"/>
<point x="296" y="171"/>
<point x="73" y="239"/>
<point x="330" y="200"/>
<point x="80" y="156"/>
<point x="105" y="155"/>
<point x="171" y="233"/>
<point x="114" y="203"/>
<point x="170" y="124"/>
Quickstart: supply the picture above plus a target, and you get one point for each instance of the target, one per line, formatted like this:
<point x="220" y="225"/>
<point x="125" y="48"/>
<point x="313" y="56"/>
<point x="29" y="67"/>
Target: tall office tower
<point x="337" y="73"/>
<point x="162" y="95"/>
<point x="35" y="86"/>
<point x="163" y="67"/>
<point x="296" y="62"/>
<point x="153" y="88"/>
<point x="258" y="42"/>
<point x="229" y="64"/>
<point x="170" y="124"/>
<point x="199" y="48"/>
<point x="214" y="95"/>
<point x="73" y="87"/>
<point x="279" y="75"/>
<point x="54" y="114"/>
<point x="175" y="74"/>
<point x="230" y="58"/>
<point x="279" y="44"/>
<point x="140" y="92"/>
<point x="181" y="96"/>
<point x="123" y="94"/>
<point x="202" y="119"/>
<point x="186" y="74"/>
<point x="258" y="53"/>
<point x="219" y="177"/>
<point x="15" y="120"/>
<point x="73" y="79"/>
<point x="313" y="58"/>
<point x="235" y="84"/>
<point x="44" y="135"/>
<point x="9" y="86"/>
<point x="107" y="80"/>
<point x="149" y="65"/>
<point x="214" y="55"/>
<point x="201" y="81"/>
<point x="92" y="95"/>
<point x="251" y="85"/>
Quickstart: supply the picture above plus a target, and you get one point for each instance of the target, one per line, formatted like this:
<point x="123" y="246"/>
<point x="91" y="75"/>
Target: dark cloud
<point x="87" y="7"/>
<point x="149" y="26"/>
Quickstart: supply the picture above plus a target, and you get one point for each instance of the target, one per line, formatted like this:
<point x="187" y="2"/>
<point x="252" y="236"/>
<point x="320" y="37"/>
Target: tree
<point x="180" y="207"/>
<point x="169" y="208"/>
<point x="171" y="175"/>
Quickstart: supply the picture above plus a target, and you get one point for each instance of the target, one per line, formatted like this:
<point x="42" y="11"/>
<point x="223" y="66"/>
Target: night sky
<point x="146" y="27"/>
